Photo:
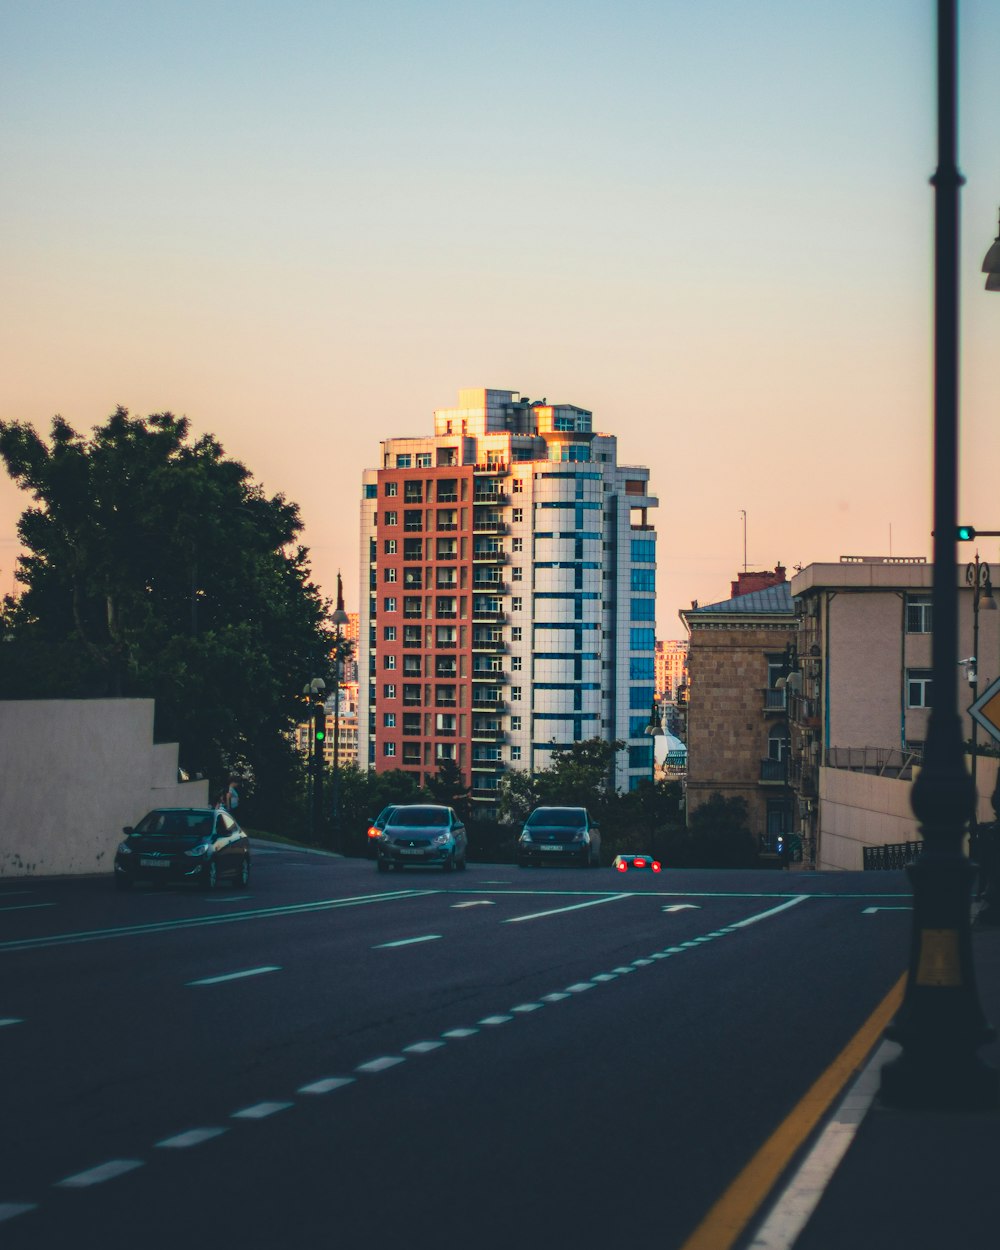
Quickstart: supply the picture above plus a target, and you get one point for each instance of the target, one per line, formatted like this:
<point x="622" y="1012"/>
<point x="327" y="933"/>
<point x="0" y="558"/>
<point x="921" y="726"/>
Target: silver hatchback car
<point x="422" y="835"/>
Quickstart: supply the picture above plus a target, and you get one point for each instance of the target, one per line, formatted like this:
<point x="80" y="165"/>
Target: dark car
<point x="644" y="863"/>
<point x="376" y="826"/>
<point x="177" y="844"/>
<point x="422" y="834"/>
<point x="551" y="834"/>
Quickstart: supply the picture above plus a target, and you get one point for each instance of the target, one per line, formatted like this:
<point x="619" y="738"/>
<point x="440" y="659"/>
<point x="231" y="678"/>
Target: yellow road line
<point x="728" y="1218"/>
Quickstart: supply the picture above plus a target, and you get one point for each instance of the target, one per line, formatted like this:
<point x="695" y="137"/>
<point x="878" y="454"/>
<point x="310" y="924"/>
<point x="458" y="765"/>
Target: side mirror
<point x="127" y="830"/>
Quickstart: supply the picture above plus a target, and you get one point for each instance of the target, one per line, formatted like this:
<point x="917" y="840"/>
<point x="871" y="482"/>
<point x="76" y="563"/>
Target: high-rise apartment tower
<point x="508" y="594"/>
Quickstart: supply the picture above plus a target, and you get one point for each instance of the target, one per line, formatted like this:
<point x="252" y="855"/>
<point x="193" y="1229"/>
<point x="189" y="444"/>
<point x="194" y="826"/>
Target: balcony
<point x="411" y="731"/>
<point x="495" y="646"/>
<point x="493" y="498"/>
<point x="773" y="772"/>
<point x="491" y="468"/>
<point x="446" y="526"/>
<point x="495" y="706"/>
<point x="446" y="555"/>
<point x="491" y="587"/>
<point x="444" y="700"/>
<point x="494" y="615"/>
<point x="487" y="556"/>
<point x="412" y="642"/>
<point x="441" y="644"/>
<point x="489" y="525"/>
<point x="449" y="496"/>
<point x="497" y="676"/>
<point x="445" y="733"/>
<point x="775" y="700"/>
<point x="486" y="766"/>
<point x="488" y="735"/>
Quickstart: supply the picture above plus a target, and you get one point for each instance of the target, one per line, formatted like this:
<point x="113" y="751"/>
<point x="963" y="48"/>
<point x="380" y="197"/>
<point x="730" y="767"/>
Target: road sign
<point x="986" y="709"/>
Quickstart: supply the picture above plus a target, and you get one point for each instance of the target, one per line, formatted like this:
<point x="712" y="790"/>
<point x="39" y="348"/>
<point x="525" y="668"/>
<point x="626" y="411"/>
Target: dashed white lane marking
<point x="558" y="911"/>
<point x="103" y="1172"/>
<point x="460" y="1033"/>
<point x="524" y="1008"/>
<point x="236" y="976"/>
<point x="579" y="986"/>
<point x="641" y="963"/>
<point x="11" y="1020"/>
<point x="682" y="907"/>
<point x="870" y="911"/>
<point x="427" y="937"/>
<point x="325" y="1085"/>
<point x="622" y="969"/>
<point x="493" y="1020"/>
<point x="422" y="1048"/>
<point x="557" y="997"/>
<point x="476" y="902"/>
<point x="380" y="1065"/>
<point x="605" y="976"/>
<point x="261" y="1110"/>
<point x="9" y="1209"/>
<point x="193" y="1137"/>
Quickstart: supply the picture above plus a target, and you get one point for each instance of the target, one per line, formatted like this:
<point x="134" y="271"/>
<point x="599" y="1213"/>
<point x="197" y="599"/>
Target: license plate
<point x="154" y="863"/>
<point x="552" y="848"/>
<point x="405" y="850"/>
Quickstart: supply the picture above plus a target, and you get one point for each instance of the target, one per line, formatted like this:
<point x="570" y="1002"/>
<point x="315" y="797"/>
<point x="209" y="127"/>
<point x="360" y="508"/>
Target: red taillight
<point x="373" y="832"/>
<point x="622" y="867"/>
<point x="640" y="863"/>
<point x="655" y="866"/>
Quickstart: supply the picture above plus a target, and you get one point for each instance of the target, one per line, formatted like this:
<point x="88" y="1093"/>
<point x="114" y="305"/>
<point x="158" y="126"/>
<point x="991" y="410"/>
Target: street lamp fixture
<point x="991" y="266"/>
<point x="940" y="1024"/>
<point x="654" y="730"/>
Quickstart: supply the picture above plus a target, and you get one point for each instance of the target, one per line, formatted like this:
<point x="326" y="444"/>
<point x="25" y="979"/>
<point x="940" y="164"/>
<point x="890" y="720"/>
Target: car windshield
<point x="558" y="818"/>
<point x="419" y="817"/>
<point x="190" y="823"/>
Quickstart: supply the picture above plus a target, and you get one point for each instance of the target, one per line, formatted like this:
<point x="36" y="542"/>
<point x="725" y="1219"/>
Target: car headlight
<point x="585" y="838"/>
<point x="202" y="848"/>
<point x="442" y="839"/>
<point x="525" y="837"/>
<point x="125" y="849"/>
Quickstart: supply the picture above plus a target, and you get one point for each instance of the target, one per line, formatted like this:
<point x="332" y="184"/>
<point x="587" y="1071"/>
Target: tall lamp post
<point x="654" y="730"/>
<point x="314" y="691"/>
<point x="940" y="1024"/>
<point x="339" y="621"/>
<point x="977" y="575"/>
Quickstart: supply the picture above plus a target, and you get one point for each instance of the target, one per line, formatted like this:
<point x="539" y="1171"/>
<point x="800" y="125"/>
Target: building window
<point x="403" y="462"/>
<point x="392" y="518"/>
<point x="391" y="488"/>
<point x="371" y="490"/>
<point x="389" y="691"/>
<point x="515" y="694"/>
<point x="643" y="610"/>
<point x="918" y="687"/>
<point x="390" y="604"/>
<point x="390" y="546"/>
<point x="388" y="748"/>
<point x="389" y="575"/>
<point x="517" y="544"/>
<point x="515" y="722"/>
<point x="643" y="551"/>
<point x="389" y="720"/>
<point x="515" y="663"/>
<point x="918" y="614"/>
<point x="515" y="634"/>
<point x="516" y="574"/>
<point x="389" y="633"/>
<point x="423" y="460"/>
<point x="643" y="579"/>
<point x="515" y="753"/>
<point x="388" y="661"/>
<point x="517" y="514"/>
<point x="518" y="486"/>
<point x="642" y="640"/>
<point x="516" y="603"/>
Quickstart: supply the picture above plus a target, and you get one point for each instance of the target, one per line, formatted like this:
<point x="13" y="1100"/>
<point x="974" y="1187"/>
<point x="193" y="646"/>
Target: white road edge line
<point x="428" y="937"/>
<point x="800" y="1197"/>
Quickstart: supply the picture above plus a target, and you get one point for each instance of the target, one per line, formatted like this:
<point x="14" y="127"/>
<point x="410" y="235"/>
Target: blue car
<point x="422" y="835"/>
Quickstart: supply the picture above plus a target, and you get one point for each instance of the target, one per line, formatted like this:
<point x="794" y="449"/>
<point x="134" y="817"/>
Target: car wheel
<point x="122" y="882"/>
<point x="210" y="876"/>
<point x="463" y="864"/>
<point x="243" y="877"/>
<point x="449" y="863"/>
<point x="382" y="865"/>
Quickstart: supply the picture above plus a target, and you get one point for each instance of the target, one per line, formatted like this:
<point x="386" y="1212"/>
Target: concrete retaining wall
<point x="72" y="773"/>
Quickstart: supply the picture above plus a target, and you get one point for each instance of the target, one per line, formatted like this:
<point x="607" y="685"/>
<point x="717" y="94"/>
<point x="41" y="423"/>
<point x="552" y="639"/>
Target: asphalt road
<point x="500" y="1057"/>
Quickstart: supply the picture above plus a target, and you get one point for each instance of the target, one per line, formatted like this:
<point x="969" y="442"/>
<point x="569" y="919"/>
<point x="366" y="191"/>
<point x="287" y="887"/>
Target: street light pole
<point x="977" y="575"/>
<point x="655" y="730"/>
<point x="340" y="619"/>
<point x="940" y="1024"/>
<point x="314" y="690"/>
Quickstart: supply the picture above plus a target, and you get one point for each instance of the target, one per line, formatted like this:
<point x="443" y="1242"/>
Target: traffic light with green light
<point x="319" y="724"/>
<point x="965" y="533"/>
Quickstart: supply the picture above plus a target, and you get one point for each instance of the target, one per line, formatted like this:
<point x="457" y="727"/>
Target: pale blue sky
<point x="307" y="225"/>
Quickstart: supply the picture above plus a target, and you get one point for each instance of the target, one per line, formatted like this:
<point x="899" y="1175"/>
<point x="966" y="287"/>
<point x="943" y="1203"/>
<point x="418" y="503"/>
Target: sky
<point x="306" y="225"/>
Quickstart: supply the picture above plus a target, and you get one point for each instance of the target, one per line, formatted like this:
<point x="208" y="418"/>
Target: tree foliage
<point x="156" y="566"/>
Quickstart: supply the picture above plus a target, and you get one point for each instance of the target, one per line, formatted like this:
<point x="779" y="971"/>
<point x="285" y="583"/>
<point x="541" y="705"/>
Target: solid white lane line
<point x="476" y="902"/>
<point x="422" y="1048"/>
<point x="427" y="937"/>
<point x="327" y="1084"/>
<point x="97" y="1176"/>
<point x="261" y="1110"/>
<point x="870" y="911"/>
<point x="9" y="1209"/>
<point x="558" y="911"/>
<point x="380" y="1065"/>
<point x="792" y="1210"/>
<point x="236" y="976"/>
<point x="193" y="1137"/>
<point x="771" y="911"/>
<point x="460" y="1033"/>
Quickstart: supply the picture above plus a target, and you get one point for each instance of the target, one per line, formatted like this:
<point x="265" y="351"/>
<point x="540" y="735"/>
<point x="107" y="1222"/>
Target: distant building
<point x="509" y="567"/>
<point x="345" y="732"/>
<point x="670" y="668"/>
<point x="746" y="583"/>
<point x="737" y="728"/>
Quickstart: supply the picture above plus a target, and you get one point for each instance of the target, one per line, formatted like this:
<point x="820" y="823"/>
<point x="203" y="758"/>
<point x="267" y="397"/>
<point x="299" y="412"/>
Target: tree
<point x="157" y="567"/>
<point x="447" y="787"/>
<point x="580" y="775"/>
<point x="720" y="836"/>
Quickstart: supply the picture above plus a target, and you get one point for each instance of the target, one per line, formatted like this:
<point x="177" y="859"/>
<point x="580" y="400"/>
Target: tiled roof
<point x="775" y="599"/>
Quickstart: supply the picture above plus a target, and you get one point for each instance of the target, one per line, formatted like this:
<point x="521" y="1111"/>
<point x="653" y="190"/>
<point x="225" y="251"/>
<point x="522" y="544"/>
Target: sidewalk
<point x="918" y="1179"/>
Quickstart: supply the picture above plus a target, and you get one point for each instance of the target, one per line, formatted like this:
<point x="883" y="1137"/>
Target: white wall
<point x="72" y="773"/>
<point x="859" y="810"/>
